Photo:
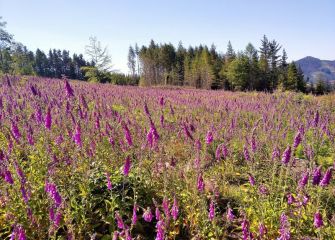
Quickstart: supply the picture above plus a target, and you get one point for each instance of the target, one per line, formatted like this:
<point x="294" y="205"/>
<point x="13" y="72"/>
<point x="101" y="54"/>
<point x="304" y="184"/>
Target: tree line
<point x="262" y="69"/>
<point x="16" y="59"/>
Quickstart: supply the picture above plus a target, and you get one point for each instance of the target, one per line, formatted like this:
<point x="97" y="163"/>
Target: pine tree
<point x="132" y="61"/>
<point x="230" y="54"/>
<point x="238" y="73"/>
<point x="292" y="77"/>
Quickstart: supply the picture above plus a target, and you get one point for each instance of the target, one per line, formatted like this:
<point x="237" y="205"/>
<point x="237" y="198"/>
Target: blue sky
<point x="303" y="27"/>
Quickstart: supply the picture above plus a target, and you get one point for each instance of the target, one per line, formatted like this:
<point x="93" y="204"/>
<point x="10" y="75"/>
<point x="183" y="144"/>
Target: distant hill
<point x="315" y="68"/>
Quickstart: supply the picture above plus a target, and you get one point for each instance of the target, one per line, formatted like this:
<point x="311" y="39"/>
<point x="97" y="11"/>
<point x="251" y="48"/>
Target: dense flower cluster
<point x="91" y="161"/>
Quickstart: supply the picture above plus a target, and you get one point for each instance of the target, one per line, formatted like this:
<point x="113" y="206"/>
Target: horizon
<point x="121" y="24"/>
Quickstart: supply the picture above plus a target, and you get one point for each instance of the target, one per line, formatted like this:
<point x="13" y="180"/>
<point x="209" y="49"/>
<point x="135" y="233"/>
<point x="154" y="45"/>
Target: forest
<point x="253" y="69"/>
<point x="263" y="69"/>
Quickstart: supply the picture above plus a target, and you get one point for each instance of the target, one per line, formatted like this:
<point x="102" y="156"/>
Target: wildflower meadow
<point x="95" y="161"/>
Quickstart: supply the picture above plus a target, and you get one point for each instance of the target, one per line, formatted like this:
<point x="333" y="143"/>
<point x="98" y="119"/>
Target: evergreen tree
<point x="132" y="61"/>
<point x="292" y="77"/>
<point x="179" y="67"/>
<point x="230" y="54"/>
<point x="238" y="73"/>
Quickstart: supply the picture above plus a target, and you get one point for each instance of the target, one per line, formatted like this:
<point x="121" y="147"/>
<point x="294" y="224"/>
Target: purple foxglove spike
<point x="297" y="140"/>
<point x="160" y="230"/>
<point x="230" y="215"/>
<point x="161" y="101"/>
<point x="8" y="177"/>
<point x="200" y="183"/>
<point x="326" y="178"/>
<point x="48" y="119"/>
<point x="284" y="228"/>
<point x="127" y="166"/>
<point x="68" y="88"/>
<point x="211" y="214"/>
<point x="15" y="131"/>
<point x="286" y="155"/>
<point x="109" y="183"/>
<point x="209" y="138"/>
<point x="304" y="180"/>
<point x="318" y="222"/>
<point x="147" y="215"/>
<point x="120" y="223"/>
<point x="317" y="175"/>
<point x="246" y="153"/>
<point x="174" y="209"/>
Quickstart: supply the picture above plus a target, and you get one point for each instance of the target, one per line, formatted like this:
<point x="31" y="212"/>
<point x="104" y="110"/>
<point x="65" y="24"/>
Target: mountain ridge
<point x="316" y="69"/>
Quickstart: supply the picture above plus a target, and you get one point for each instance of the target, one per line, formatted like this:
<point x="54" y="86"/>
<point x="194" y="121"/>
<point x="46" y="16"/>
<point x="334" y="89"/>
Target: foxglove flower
<point x="263" y="189"/>
<point x="211" y="213"/>
<point x="246" y="153"/>
<point x="8" y="177"/>
<point x="290" y="199"/>
<point x="297" y="140"/>
<point x="115" y="235"/>
<point x="146" y="110"/>
<point x="33" y="90"/>
<point x="326" y="178"/>
<point x="284" y="228"/>
<point x="128" y="236"/>
<point x="127" y="166"/>
<point x="245" y="229"/>
<point x="152" y="136"/>
<point x="109" y="183"/>
<point x="286" y="155"/>
<point x="198" y="145"/>
<point x="187" y="132"/>
<point x="48" y="119"/>
<point x="51" y="189"/>
<point x="230" y="215"/>
<point x="165" y="205"/>
<point x="134" y="217"/>
<point x="200" y="183"/>
<point x="174" y="209"/>
<point x="221" y="151"/>
<point x="127" y="135"/>
<point x="77" y="136"/>
<point x="15" y="131"/>
<point x="68" y="88"/>
<point x="160" y="230"/>
<point x="316" y="119"/>
<point x="161" y="101"/>
<point x="252" y="180"/>
<point x="58" y="219"/>
<point x="162" y="120"/>
<point x="19" y="232"/>
<point x="316" y="175"/>
<point x="318" y="222"/>
<point x="305" y="200"/>
<point x="147" y="215"/>
<point x="157" y="214"/>
<point x="275" y="153"/>
<point x="304" y="180"/>
<point x="253" y="144"/>
<point x="51" y="214"/>
<point x="120" y="223"/>
<point x="209" y="137"/>
<point x="25" y="196"/>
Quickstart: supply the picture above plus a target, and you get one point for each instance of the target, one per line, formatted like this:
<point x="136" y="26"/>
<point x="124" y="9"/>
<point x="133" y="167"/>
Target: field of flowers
<point x="95" y="161"/>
